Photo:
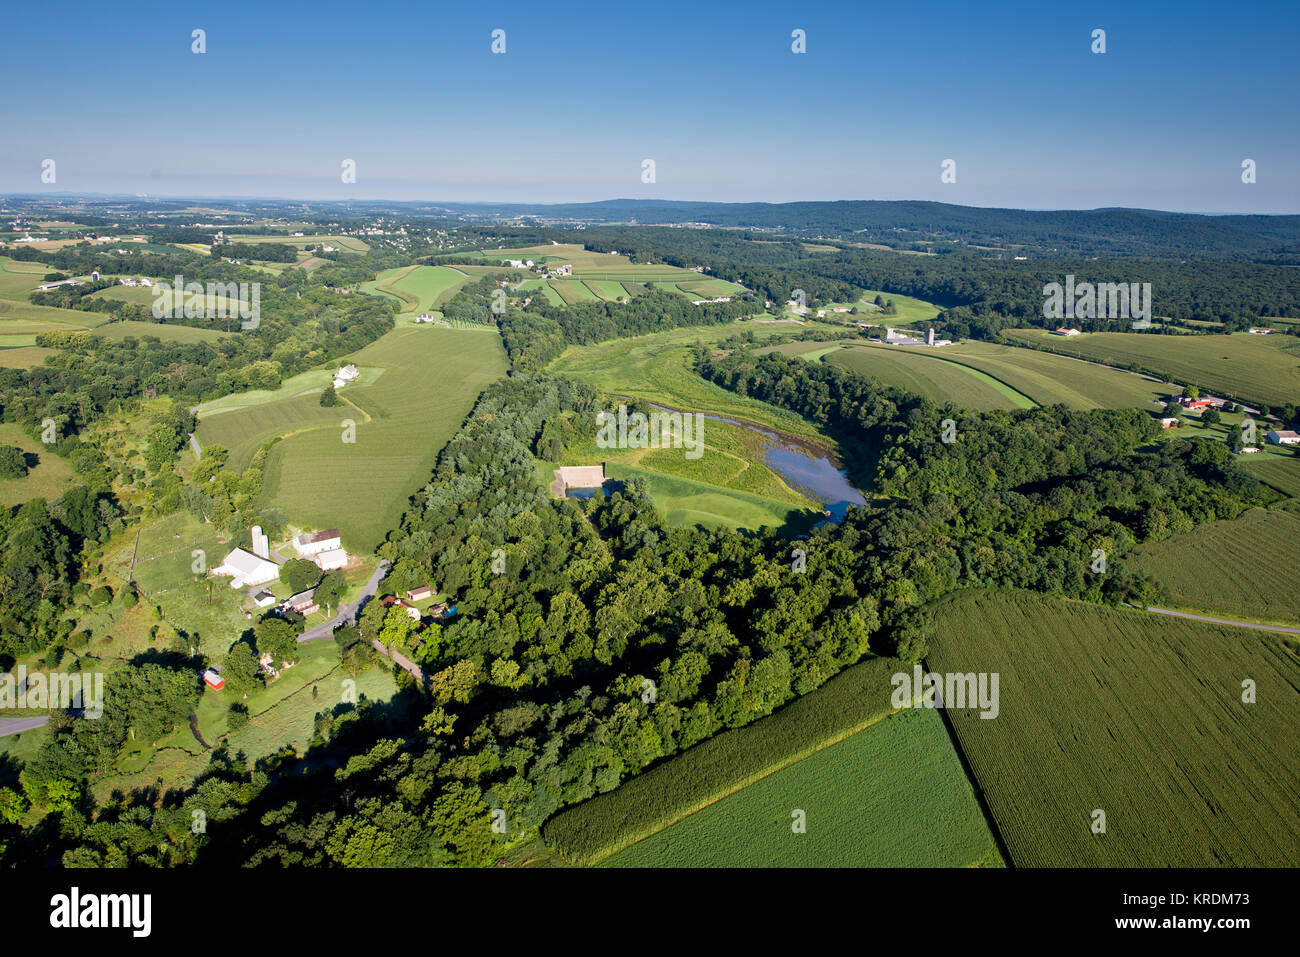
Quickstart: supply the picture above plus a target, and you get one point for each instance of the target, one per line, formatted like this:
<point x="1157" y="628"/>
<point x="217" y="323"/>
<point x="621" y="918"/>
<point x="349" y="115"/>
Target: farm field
<point x="1251" y="368"/>
<point x="1134" y="714"/>
<point x="907" y="309"/>
<point x="49" y="479"/>
<point x="1243" y="568"/>
<point x="723" y="764"/>
<point x="1280" y="471"/>
<point x="572" y="291"/>
<point x="907" y="368"/>
<point x="416" y="288"/>
<point x="23" y="357"/>
<point x="430" y="379"/>
<point x="591" y="265"/>
<point x="534" y="286"/>
<point x="606" y="290"/>
<point x="347" y="243"/>
<point x="655" y="368"/>
<point x="891" y="795"/>
<point x="710" y="288"/>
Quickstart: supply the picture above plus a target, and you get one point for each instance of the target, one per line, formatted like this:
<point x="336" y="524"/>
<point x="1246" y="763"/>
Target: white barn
<point x="245" y="568"/>
<point x="331" y="558"/>
<point x="310" y="544"/>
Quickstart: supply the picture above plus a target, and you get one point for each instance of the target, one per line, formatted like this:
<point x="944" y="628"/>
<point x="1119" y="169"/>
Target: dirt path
<point x="1221" y="621"/>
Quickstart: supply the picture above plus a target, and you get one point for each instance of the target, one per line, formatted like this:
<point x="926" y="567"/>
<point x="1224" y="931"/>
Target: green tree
<point x="276" y="637"/>
<point x="299" y="574"/>
<point x="239" y="669"/>
<point x="13" y="463"/>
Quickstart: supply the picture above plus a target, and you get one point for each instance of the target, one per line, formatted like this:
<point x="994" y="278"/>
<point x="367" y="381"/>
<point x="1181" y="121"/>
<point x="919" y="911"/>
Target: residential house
<point x="263" y="599"/>
<point x="345" y="375"/>
<point x="419" y="594"/>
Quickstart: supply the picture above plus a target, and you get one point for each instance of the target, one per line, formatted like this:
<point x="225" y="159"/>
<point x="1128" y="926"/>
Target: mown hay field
<point x="1137" y="715"/>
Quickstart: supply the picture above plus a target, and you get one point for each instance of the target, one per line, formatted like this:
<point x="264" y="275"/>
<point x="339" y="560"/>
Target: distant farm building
<point x="345" y="375"/>
<point x="310" y="544"/>
<point x="213" y="679"/>
<point x="1171" y="423"/>
<point x="1283" y="437"/>
<point x="419" y="594"/>
<point x="1195" y="404"/>
<point x="263" y="599"/>
<point x="577" y="476"/>
<point x="1066" y="332"/>
<point x="245" y="568"/>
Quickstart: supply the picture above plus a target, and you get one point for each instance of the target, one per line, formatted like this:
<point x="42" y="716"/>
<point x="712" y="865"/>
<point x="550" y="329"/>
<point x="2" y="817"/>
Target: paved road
<point x="194" y="444"/>
<point x="10" y="726"/>
<point x="1223" y="621"/>
<point x="347" y="613"/>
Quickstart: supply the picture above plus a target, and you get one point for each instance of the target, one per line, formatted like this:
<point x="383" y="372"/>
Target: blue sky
<point x="710" y="91"/>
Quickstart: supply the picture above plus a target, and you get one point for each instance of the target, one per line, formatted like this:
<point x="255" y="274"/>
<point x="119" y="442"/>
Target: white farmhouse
<point x="345" y="375"/>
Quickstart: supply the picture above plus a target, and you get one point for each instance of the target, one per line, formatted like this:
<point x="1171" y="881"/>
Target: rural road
<point x="194" y="444"/>
<point x="1222" y="621"/>
<point x="401" y="660"/>
<point x="10" y="726"/>
<point x="348" y="613"/>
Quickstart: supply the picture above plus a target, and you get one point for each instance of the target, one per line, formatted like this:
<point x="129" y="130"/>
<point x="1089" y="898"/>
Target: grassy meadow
<point x="49" y="478"/>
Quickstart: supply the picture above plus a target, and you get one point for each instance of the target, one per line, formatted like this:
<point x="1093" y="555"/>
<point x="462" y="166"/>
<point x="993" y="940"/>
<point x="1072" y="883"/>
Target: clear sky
<point x="710" y="91"/>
